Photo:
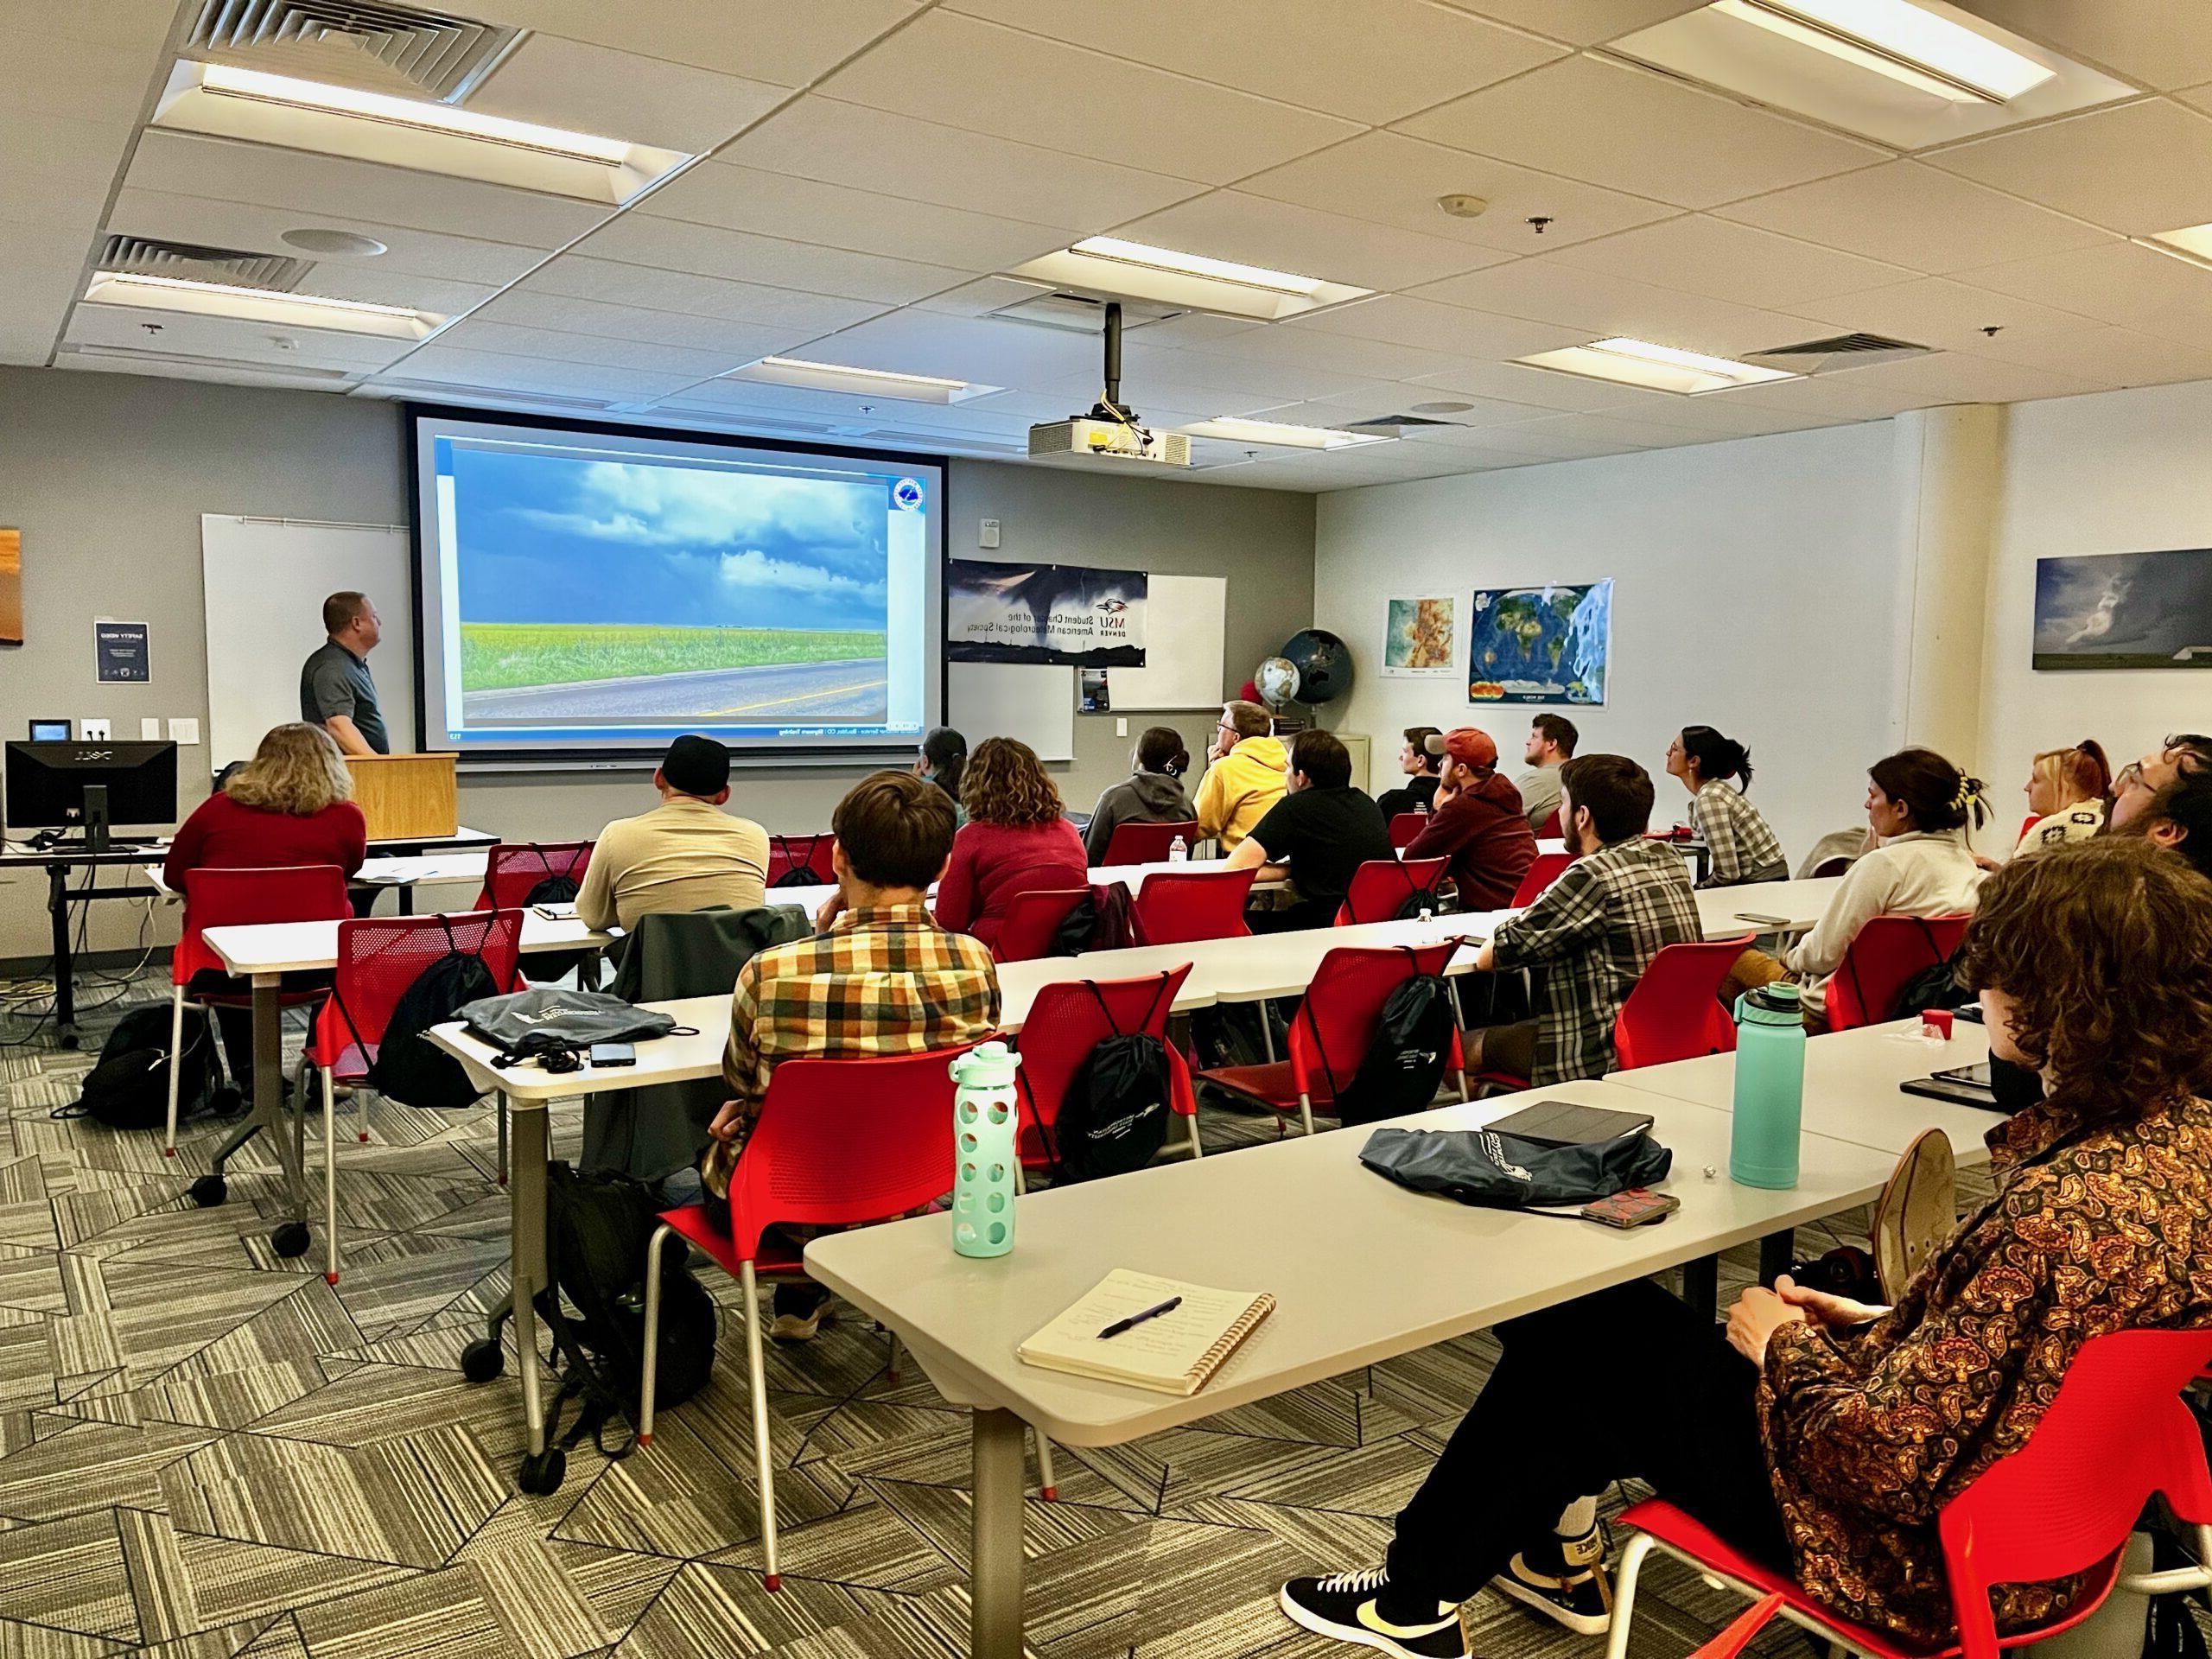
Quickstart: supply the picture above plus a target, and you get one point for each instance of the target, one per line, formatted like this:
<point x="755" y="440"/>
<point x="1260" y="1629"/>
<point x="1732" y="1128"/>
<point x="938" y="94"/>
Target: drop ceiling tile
<point x="1941" y="312"/>
<point x="121" y="26"/>
<point x="365" y="279"/>
<point x="1909" y="215"/>
<point x="980" y="350"/>
<point x="498" y="371"/>
<point x="2136" y="169"/>
<point x="1342" y="412"/>
<point x="819" y="138"/>
<point x="2197" y="97"/>
<point x="1707" y="414"/>
<point x="1392" y="179"/>
<point x="2117" y="283"/>
<point x="227" y="339"/>
<point x="1372" y="62"/>
<point x="708" y="251"/>
<point x="301" y="183"/>
<point x="1580" y="23"/>
<point x="1230" y="225"/>
<point x="1429" y="325"/>
<point x="688" y="294"/>
<point x="1955" y="378"/>
<point x="1723" y="261"/>
<point x="70" y="153"/>
<point x="2155" y="42"/>
<point x="2114" y="356"/>
<point x="1844" y="394"/>
<point x="1579" y="437"/>
<point x="1515" y="383"/>
<point x="644" y="100"/>
<point x="178" y="217"/>
<point x="1544" y="291"/>
<point x="736" y="341"/>
<point x="765" y="39"/>
<point x="999" y="81"/>
<point x="475" y="334"/>
<point x="1626" y="128"/>
<point x="1306" y="348"/>
<point x="834" y="215"/>
<point x="53" y="74"/>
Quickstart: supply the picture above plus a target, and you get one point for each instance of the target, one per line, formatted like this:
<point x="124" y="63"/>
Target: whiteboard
<point x="1021" y="700"/>
<point x="265" y="580"/>
<point x="1185" y="639"/>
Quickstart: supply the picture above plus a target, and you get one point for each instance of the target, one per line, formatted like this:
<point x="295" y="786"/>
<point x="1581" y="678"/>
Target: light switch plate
<point x="94" y="731"/>
<point x="1120" y="727"/>
<point x="186" y="731"/>
<point x="150" y="728"/>
<point x="989" y="535"/>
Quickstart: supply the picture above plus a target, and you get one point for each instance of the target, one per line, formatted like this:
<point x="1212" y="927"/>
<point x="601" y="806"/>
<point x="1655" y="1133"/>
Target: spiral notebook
<point x="1175" y="1353"/>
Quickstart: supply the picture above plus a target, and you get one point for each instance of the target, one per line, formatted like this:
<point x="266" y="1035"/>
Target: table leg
<point x="65" y="967"/>
<point x="407" y="899"/>
<point x="1778" y="1254"/>
<point x="1702" y="1285"/>
<point x="995" y="1571"/>
<point x="268" y="1093"/>
<point x="526" y="1253"/>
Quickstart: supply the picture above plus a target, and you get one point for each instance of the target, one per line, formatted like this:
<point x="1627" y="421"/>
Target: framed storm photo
<point x="2124" y="610"/>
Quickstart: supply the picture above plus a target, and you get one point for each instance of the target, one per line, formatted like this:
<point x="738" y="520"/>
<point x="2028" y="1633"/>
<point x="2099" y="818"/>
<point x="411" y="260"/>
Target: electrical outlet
<point x="1120" y="727"/>
<point x="989" y="535"/>
<point x="150" y="728"/>
<point x="184" y="731"/>
<point x="95" y="731"/>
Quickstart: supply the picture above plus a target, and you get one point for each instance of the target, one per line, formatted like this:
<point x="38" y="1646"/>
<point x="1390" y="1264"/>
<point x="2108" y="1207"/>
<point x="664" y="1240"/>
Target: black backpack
<point x="557" y="887"/>
<point x="1113" y="1116"/>
<point x="598" y="1229"/>
<point x="1419" y="900"/>
<point x="801" y="850"/>
<point x="1404" y="1062"/>
<point x="408" y="1068"/>
<point x="1935" y="986"/>
<point x="130" y="1087"/>
<point x="1103" y="920"/>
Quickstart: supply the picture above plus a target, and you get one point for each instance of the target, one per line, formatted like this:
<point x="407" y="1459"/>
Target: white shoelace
<point x="1356" y="1584"/>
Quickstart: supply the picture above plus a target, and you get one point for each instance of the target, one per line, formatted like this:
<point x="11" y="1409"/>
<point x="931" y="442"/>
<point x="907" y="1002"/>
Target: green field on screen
<point x="498" y="656"/>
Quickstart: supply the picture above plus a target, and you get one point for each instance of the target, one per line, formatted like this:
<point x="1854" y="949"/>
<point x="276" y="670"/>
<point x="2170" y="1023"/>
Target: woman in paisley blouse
<point x="1824" y="1435"/>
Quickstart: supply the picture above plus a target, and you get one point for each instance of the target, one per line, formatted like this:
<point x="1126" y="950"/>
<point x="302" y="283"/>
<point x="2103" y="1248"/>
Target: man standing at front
<point x="336" y="690"/>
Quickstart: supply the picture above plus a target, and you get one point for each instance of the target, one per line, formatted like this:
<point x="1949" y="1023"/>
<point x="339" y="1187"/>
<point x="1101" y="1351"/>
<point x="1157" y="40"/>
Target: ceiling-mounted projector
<point x="1111" y="428"/>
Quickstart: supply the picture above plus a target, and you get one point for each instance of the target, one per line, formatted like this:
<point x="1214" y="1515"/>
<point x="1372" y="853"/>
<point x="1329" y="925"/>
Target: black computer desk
<point x="58" y="862"/>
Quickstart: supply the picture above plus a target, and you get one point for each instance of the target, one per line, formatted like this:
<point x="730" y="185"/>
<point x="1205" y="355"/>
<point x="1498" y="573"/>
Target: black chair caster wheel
<point x="544" y="1473"/>
<point x="208" y="1192"/>
<point x="482" y="1360"/>
<point x="290" y="1240"/>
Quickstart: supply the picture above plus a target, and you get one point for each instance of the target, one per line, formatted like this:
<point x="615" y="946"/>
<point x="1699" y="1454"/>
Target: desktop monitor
<point x="47" y="783"/>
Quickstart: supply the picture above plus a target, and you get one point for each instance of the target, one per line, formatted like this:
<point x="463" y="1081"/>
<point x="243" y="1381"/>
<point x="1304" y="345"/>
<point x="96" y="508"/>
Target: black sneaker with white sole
<point x="1563" y="1578"/>
<point x="1348" y="1606"/>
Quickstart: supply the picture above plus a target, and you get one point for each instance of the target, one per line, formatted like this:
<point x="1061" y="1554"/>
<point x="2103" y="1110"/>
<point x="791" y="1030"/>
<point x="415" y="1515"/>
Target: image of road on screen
<point x="610" y="594"/>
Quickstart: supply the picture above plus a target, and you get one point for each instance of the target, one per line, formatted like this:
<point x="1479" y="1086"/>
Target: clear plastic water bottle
<point x="1770" y="1099"/>
<point x="1179" y="851"/>
<point x="984" y="1150"/>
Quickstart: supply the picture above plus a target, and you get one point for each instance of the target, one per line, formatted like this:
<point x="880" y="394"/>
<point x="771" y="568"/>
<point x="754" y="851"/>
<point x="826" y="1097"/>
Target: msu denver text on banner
<point x="1043" y="614"/>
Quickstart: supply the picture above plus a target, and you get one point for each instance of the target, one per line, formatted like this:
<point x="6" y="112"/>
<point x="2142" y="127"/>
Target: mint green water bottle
<point x="984" y="1150"/>
<point x="1770" y="1087"/>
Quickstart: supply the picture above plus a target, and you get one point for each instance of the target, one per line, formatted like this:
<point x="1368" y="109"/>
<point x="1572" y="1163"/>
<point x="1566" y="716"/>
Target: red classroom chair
<point x="512" y="870"/>
<point x="1070" y="1018"/>
<point x="788" y="854"/>
<point x="1331" y="1032"/>
<point x="838" y="1143"/>
<point x="1674" y="1011"/>
<point x="291" y="892"/>
<point x="1406" y="828"/>
<point x="1547" y="869"/>
<point x="1032" y="922"/>
<point x="379" y="957"/>
<point x="1552" y="830"/>
<point x="1182" y="906"/>
<point x="2117" y="1434"/>
<point x="1886" y="952"/>
<point x="1147" y="843"/>
<point x="1380" y="886"/>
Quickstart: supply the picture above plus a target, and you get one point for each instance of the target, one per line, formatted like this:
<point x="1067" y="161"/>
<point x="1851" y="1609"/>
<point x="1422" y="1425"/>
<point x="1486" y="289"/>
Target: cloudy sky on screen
<point x="551" y="539"/>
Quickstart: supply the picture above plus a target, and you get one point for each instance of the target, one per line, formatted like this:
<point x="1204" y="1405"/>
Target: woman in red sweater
<point x="1017" y="840"/>
<point x="292" y="804"/>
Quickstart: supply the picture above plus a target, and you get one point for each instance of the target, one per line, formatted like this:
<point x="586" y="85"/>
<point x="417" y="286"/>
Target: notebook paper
<point x="1175" y="1353"/>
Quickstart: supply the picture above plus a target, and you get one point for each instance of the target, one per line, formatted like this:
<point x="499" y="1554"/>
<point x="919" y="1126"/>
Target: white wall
<point x="1755" y="582"/>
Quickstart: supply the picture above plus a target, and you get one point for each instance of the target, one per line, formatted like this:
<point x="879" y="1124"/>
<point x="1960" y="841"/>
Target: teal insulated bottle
<point x="1770" y="1087"/>
<point x="983" y="1124"/>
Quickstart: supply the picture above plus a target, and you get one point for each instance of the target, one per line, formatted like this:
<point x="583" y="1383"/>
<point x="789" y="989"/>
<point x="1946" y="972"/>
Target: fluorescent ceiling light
<point x="872" y="383"/>
<point x="1902" y="40"/>
<point x="2192" y="243"/>
<point x="1656" y="368"/>
<point x="1109" y="266"/>
<point x="1238" y="430"/>
<point x="259" y="305"/>
<point x="225" y="81"/>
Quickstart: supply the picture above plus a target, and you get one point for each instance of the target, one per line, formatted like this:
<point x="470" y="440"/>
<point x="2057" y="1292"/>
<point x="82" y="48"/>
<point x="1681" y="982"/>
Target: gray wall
<point x="107" y="476"/>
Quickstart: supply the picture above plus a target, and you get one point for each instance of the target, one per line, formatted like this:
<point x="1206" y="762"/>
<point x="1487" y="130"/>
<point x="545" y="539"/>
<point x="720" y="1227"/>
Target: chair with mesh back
<point x="1181" y="906"/>
<point x="514" y="870"/>
<point x="1882" y="956"/>
<point x="214" y="898"/>
<point x="1147" y="843"/>
<point x="806" y="857"/>
<point x="1032" y="922"/>
<point x="379" y="957"/>
<point x="838" y="1143"/>
<point x="1381" y="888"/>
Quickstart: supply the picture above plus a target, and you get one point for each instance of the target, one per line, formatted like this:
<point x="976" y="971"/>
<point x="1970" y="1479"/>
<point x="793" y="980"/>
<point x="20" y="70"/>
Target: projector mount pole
<point x="1110" y="408"/>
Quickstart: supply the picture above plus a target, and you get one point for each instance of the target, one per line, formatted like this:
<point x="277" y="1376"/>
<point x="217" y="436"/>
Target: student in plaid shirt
<point x="1593" y="931"/>
<point x="1742" y="843"/>
<point x="879" y="976"/>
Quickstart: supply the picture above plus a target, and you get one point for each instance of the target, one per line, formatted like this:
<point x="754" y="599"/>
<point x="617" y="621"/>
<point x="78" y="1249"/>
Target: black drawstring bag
<point x="1506" y="1173"/>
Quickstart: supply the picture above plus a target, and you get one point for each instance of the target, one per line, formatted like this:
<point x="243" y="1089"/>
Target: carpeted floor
<point x="206" y="1452"/>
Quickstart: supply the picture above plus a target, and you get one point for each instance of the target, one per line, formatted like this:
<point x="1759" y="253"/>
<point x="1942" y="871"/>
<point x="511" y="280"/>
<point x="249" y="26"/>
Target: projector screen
<point x="588" y="591"/>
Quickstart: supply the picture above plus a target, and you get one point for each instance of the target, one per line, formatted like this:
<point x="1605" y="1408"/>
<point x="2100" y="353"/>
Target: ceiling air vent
<point x="456" y="391"/>
<point x="1859" y="351"/>
<point x="1079" y="313"/>
<point x="1395" y="422"/>
<point x="404" y="51"/>
<point x="140" y="255"/>
<point x="220" y="368"/>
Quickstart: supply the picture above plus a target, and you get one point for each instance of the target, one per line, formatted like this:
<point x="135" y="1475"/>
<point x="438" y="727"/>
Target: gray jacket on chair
<point x="650" y="1134"/>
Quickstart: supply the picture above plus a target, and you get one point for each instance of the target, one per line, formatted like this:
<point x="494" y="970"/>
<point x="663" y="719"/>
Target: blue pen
<point x="1136" y="1319"/>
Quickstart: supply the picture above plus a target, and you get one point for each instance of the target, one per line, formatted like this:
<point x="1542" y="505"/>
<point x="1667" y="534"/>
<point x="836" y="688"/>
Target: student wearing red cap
<point x="1476" y="822"/>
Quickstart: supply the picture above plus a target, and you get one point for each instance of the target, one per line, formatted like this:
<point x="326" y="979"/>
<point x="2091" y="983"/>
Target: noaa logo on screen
<point x="906" y="493"/>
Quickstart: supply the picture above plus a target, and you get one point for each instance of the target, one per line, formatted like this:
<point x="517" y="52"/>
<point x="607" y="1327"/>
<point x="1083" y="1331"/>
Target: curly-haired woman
<point x="1017" y="840"/>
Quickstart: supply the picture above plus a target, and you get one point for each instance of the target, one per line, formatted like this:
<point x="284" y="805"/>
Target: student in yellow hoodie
<point x="1250" y="775"/>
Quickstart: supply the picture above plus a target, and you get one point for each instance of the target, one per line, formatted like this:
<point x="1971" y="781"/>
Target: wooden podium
<point x="405" y="797"/>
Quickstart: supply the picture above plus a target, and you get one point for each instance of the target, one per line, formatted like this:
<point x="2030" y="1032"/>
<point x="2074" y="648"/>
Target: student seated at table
<point x="2135" y="783"/>
<point x="943" y="757"/>
<point x="1316" y="835"/>
<point x="2179" y="818"/>
<point x="1593" y="933"/>
<point x="1017" y="839"/>
<point x="2068" y="792"/>
<point x="1418" y="792"/>
<point x="881" y="976"/>
<point x="1824" y="1436"/>
<point x="1152" y="794"/>
<point x="292" y="804"/>
<point x="1248" y="774"/>
<point x="686" y="853"/>
<point x="1477" y="823"/>
<point x="1551" y="745"/>
<point x="1743" y="846"/>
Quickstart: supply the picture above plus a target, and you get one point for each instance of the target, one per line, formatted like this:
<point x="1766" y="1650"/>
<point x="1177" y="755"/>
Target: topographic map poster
<point x="1540" y="644"/>
<point x="1417" y="638"/>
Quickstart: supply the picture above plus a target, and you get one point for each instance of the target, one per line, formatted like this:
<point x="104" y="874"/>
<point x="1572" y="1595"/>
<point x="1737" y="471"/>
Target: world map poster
<point x="1541" y="645"/>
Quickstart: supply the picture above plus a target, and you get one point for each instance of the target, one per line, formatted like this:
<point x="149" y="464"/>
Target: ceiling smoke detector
<point x="1461" y="207"/>
<point x="315" y="239"/>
